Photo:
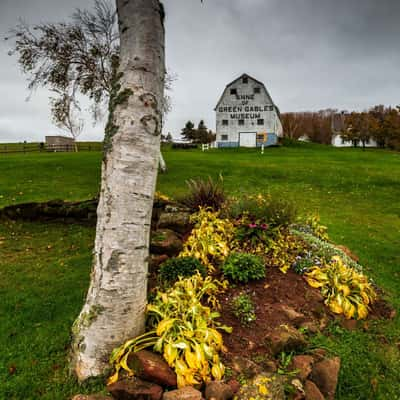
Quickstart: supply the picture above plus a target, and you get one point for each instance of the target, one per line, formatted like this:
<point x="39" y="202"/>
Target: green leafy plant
<point x="184" y="267"/>
<point x="205" y="193"/>
<point x="243" y="267"/>
<point x="325" y="250"/>
<point x="346" y="291"/>
<point x="210" y="239"/>
<point x="243" y="309"/>
<point x="264" y="209"/>
<point x="285" y="359"/>
<point x="184" y="330"/>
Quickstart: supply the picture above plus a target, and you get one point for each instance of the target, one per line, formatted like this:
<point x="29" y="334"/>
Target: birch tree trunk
<point x="116" y="301"/>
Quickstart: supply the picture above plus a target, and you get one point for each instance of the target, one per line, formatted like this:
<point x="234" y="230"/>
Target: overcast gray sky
<point x="311" y="54"/>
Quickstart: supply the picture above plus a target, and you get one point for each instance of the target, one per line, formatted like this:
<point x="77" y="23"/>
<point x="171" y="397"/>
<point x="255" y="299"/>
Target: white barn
<point x="246" y="116"/>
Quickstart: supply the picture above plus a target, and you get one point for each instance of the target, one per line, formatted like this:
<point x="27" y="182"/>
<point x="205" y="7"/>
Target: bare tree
<point x="115" y="304"/>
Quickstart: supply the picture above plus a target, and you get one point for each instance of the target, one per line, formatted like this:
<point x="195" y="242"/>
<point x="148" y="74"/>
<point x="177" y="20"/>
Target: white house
<point x="246" y="115"/>
<point x="338" y="125"/>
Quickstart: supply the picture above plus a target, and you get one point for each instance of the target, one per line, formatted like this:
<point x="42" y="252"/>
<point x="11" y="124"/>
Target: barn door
<point x="247" y="139"/>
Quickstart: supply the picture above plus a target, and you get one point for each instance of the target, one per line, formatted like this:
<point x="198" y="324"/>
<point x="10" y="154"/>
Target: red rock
<point x="284" y="338"/>
<point x="245" y="366"/>
<point x="349" y="324"/>
<point x="312" y="392"/>
<point x="186" y="393"/>
<point x="135" y="389"/>
<point x="325" y="375"/>
<point x="292" y="315"/>
<point x="156" y="261"/>
<point x="152" y="367"/>
<point x="319" y="354"/>
<point x="234" y="384"/>
<point x="217" y="390"/>
<point x="91" y="397"/>
<point x="165" y="241"/>
<point x="303" y="364"/>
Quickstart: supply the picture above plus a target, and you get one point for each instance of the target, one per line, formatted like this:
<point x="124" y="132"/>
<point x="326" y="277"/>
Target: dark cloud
<point x="311" y="54"/>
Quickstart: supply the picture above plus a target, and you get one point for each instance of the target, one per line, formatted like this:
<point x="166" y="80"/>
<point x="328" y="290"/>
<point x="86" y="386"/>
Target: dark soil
<point x="269" y="295"/>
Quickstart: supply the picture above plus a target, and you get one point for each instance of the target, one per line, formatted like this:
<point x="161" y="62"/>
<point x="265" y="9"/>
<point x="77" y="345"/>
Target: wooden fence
<point x="15" y="148"/>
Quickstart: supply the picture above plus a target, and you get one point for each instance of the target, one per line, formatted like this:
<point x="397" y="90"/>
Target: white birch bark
<point x="116" y="300"/>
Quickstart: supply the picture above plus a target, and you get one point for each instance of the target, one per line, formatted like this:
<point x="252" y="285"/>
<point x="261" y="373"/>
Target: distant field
<point x="356" y="193"/>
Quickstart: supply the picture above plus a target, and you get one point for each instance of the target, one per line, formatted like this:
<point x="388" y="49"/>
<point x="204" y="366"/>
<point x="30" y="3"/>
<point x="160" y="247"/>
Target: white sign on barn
<point x="246" y="115"/>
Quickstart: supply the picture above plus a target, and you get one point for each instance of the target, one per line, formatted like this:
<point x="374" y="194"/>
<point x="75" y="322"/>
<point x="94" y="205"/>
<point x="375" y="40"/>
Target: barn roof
<point x="255" y="80"/>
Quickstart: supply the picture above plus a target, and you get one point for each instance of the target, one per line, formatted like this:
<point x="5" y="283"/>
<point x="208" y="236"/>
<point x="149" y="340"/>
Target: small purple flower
<point x="252" y="225"/>
<point x="264" y="227"/>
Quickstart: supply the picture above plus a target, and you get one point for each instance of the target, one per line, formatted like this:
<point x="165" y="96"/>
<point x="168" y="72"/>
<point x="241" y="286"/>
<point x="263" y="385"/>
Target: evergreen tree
<point x="188" y="132"/>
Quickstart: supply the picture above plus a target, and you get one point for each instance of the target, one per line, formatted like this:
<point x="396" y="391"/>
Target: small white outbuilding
<point x="246" y="116"/>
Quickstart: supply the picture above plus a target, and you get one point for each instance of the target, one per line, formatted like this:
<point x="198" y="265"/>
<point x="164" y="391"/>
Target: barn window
<point x="260" y="122"/>
<point x="234" y="91"/>
<point x="241" y="121"/>
<point x="245" y="80"/>
<point x="225" y="122"/>
<point x="224" y="137"/>
<point x="260" y="137"/>
<point x="257" y="90"/>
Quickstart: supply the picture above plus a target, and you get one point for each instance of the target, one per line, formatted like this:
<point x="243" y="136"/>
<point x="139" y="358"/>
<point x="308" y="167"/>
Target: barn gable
<point x="246" y="115"/>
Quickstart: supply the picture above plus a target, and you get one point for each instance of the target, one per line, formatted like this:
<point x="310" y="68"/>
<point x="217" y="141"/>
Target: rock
<point x="269" y="366"/>
<point x="217" y="390"/>
<point x="235" y="385"/>
<point x="135" y="389"/>
<point x="263" y="386"/>
<point x="312" y="392"/>
<point x="165" y="241"/>
<point x="293" y="316"/>
<point x="319" y="354"/>
<point x="152" y="367"/>
<point x="303" y="364"/>
<point x="177" y="221"/>
<point x="155" y="261"/>
<point x="91" y="397"/>
<point x="325" y="375"/>
<point x="310" y="326"/>
<point x="186" y="393"/>
<point x="349" y="324"/>
<point x="245" y="366"/>
<point x="284" y="338"/>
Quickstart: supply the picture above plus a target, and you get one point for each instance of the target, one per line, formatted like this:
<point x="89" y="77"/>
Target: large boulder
<point x="135" y="389"/>
<point x="152" y="367"/>
<point x="325" y="375"/>
<point x="186" y="393"/>
<point x="284" y="338"/>
<point x="165" y="241"/>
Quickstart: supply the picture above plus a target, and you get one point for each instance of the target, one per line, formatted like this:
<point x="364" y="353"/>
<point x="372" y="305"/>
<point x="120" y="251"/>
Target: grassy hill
<point x="44" y="268"/>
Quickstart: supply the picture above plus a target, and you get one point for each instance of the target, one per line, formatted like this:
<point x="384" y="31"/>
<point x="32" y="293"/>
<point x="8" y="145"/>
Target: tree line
<point x="379" y="123"/>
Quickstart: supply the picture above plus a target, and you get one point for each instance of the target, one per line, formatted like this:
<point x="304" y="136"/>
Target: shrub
<point x="243" y="309"/>
<point x="184" y="267"/>
<point x="265" y="209"/>
<point x="243" y="267"/>
<point x="346" y="291"/>
<point x="210" y="239"/>
<point x="184" y="146"/>
<point x="184" y="331"/>
<point x="205" y="193"/>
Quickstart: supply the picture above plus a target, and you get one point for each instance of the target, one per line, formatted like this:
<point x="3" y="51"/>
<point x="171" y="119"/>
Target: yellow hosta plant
<point x="346" y="290"/>
<point x="184" y="332"/>
<point x="210" y="239"/>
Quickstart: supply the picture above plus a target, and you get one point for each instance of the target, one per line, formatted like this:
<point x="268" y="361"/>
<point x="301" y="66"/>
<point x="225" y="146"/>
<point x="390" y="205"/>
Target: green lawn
<point x="356" y="193"/>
